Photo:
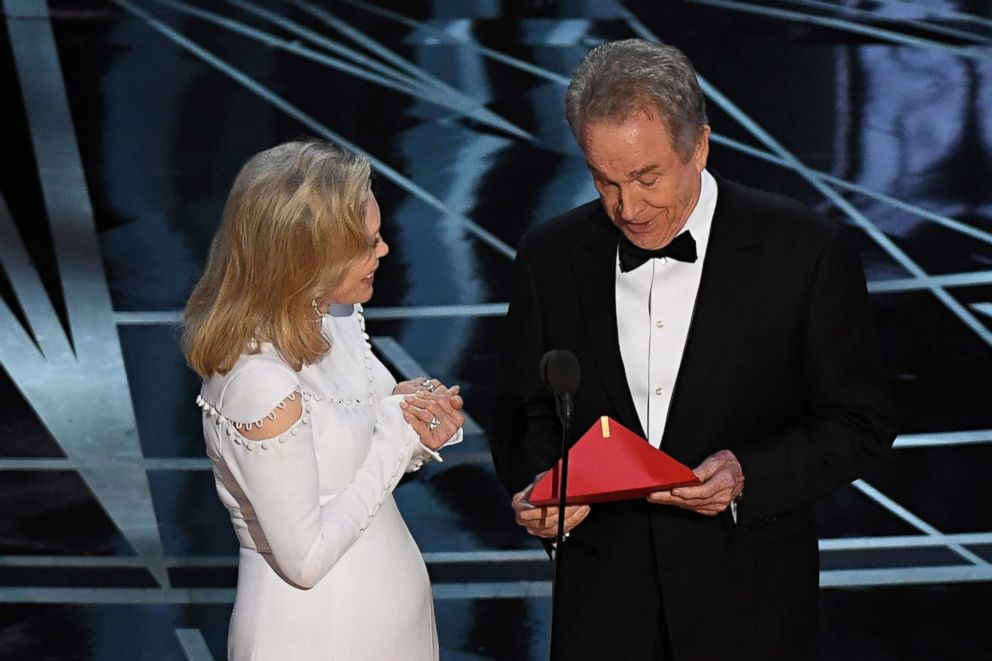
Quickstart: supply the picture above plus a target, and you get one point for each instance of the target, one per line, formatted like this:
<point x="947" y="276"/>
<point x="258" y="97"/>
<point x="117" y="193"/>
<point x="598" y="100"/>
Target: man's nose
<point x="629" y="205"/>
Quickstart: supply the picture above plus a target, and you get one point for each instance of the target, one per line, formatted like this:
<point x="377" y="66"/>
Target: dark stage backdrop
<point x="123" y="123"/>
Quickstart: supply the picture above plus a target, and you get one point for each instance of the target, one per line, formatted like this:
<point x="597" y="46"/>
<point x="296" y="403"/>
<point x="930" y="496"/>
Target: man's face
<point x="647" y="190"/>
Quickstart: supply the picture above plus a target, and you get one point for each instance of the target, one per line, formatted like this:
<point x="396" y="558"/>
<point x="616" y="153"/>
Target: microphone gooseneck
<point x="560" y="373"/>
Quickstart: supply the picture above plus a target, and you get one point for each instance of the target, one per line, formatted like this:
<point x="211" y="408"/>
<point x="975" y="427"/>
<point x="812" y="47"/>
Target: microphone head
<point x="560" y="372"/>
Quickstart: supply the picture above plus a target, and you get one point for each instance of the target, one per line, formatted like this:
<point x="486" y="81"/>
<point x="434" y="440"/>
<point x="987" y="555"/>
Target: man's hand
<point x="722" y="480"/>
<point x="543" y="521"/>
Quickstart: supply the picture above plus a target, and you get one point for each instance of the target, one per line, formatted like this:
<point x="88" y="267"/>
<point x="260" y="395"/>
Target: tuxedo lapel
<point x="721" y="304"/>
<point x="594" y="255"/>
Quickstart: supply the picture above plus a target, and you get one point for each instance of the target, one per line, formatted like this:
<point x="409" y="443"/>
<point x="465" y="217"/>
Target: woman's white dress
<point x="328" y="569"/>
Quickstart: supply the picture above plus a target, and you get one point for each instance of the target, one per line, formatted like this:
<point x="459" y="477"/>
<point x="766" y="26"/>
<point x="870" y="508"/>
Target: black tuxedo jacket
<point x="781" y="366"/>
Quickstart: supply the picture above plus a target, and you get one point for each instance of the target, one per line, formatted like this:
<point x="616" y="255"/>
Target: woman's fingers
<point x="428" y="437"/>
<point x="418" y="426"/>
<point x="406" y="387"/>
<point x="440" y="408"/>
<point x="440" y="393"/>
<point x="420" y="418"/>
<point x="453" y="414"/>
<point x="452" y="398"/>
<point x="420" y="413"/>
<point x="428" y="385"/>
<point x="420" y="384"/>
<point x="450" y="405"/>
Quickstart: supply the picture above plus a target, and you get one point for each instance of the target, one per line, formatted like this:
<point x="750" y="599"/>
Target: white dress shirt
<point x="654" y="310"/>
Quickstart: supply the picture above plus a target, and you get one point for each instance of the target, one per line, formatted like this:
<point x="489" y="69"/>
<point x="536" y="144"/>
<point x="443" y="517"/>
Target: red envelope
<point x="610" y="462"/>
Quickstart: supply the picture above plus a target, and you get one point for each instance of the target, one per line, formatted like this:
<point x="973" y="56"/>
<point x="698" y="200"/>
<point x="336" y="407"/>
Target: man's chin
<point x="646" y="237"/>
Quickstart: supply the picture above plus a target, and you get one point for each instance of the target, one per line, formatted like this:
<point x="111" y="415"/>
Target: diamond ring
<point x="433" y="423"/>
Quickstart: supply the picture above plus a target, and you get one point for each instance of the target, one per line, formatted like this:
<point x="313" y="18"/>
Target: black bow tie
<point x="682" y="248"/>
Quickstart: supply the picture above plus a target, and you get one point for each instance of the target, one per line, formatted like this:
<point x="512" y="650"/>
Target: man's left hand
<point x="722" y="480"/>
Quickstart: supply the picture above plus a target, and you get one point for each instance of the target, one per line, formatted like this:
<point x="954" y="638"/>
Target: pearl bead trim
<point x="212" y="412"/>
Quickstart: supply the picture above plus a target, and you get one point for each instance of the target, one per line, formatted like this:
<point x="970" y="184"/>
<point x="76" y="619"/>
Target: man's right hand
<point x="543" y="521"/>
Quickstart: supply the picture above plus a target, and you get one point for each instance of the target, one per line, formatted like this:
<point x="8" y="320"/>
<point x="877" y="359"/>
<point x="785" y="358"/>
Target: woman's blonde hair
<point x="293" y="224"/>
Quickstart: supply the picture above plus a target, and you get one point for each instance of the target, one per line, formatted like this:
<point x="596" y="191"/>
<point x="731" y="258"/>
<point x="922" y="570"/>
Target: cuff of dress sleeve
<point x="427" y="454"/>
<point x="433" y="454"/>
<point x="455" y="439"/>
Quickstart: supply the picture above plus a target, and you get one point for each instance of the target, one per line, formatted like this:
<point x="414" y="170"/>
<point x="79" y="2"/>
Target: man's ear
<point x="702" y="151"/>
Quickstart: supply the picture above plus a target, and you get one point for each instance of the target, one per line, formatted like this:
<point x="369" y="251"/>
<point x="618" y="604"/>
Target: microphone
<point x="560" y="373"/>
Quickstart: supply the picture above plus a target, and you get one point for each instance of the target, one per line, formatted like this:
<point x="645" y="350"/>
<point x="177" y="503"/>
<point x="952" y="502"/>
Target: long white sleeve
<point x="279" y="480"/>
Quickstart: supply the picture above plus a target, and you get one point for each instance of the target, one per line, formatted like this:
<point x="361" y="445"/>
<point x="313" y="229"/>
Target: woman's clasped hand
<point x="432" y="409"/>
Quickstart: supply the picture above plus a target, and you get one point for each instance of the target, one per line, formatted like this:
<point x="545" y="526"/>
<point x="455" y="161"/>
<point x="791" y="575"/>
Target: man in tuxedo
<point x="732" y="329"/>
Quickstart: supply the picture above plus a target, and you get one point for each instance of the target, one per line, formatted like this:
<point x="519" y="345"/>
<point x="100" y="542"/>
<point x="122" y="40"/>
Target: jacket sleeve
<point x="849" y="425"/>
<point x="279" y="479"/>
<point x="526" y="437"/>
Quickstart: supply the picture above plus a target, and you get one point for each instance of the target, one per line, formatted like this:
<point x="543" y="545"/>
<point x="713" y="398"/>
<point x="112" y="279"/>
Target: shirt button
<point x="658" y="391"/>
<point x="659" y="324"/>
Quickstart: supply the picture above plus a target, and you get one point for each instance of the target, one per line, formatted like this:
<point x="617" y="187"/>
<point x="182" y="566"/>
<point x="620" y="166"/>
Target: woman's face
<point x="356" y="286"/>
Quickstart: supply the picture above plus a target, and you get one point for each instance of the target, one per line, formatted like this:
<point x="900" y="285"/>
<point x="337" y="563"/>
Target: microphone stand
<point x="564" y="405"/>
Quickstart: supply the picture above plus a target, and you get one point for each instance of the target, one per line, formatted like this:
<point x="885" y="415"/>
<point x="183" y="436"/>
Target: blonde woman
<point x="307" y="431"/>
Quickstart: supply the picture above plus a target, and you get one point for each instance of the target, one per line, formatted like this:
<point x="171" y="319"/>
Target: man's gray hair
<point x="617" y="79"/>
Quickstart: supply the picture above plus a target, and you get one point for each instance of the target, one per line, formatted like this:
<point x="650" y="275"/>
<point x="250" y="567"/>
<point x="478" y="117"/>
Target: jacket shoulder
<point x="781" y="216"/>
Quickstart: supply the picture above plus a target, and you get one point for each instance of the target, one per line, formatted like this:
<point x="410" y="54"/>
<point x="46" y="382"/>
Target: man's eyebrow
<point x="633" y="175"/>
<point x="645" y="170"/>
